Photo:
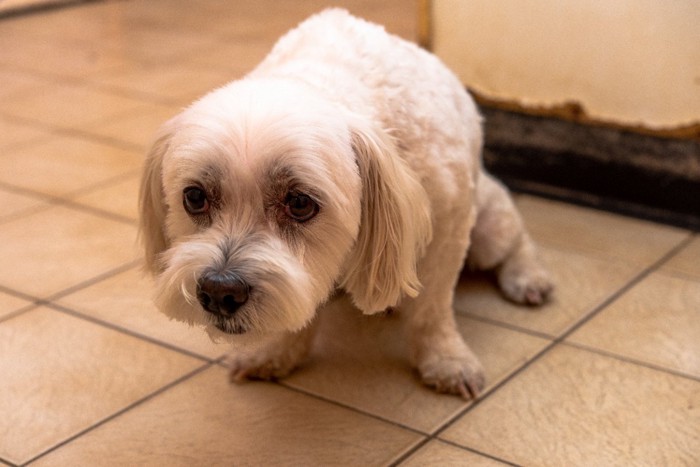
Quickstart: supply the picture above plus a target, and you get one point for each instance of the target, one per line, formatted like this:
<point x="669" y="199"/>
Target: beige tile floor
<point x="90" y="373"/>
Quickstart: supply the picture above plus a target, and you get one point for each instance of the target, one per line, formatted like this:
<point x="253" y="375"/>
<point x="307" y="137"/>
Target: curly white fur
<point x="387" y="143"/>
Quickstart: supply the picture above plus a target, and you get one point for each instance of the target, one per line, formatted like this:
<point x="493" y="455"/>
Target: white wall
<point x="625" y="61"/>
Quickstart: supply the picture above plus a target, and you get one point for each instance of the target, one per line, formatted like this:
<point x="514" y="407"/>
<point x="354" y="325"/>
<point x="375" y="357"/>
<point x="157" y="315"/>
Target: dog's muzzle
<point x="222" y="293"/>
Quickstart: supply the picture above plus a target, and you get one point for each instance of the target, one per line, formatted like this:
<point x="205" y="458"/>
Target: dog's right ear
<point x="395" y="224"/>
<point x="152" y="207"/>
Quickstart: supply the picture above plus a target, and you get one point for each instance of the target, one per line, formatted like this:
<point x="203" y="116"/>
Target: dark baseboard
<point x="40" y="7"/>
<point x="629" y="173"/>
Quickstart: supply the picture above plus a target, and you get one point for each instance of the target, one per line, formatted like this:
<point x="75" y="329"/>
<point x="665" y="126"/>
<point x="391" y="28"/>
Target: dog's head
<point x="262" y="197"/>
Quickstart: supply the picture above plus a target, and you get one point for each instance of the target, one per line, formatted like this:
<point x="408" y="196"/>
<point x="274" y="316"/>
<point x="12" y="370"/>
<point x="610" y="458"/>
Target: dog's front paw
<point x="261" y="366"/>
<point x="460" y="374"/>
<point x="270" y="359"/>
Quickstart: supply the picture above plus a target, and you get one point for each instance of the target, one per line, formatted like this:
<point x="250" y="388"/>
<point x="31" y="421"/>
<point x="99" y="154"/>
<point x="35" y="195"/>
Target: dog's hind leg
<point x="500" y="242"/>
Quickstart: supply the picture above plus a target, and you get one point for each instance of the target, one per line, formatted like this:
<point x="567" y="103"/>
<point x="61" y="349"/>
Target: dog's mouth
<point x="228" y="326"/>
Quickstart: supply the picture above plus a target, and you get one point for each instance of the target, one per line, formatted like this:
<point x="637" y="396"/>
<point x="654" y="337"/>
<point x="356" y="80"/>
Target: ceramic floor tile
<point x="574" y="407"/>
<point x="203" y="16"/>
<point x="149" y="46"/>
<point x="64" y="165"/>
<point x="119" y="198"/>
<point x="58" y="248"/>
<point x="397" y="17"/>
<point x="137" y="129"/>
<point x="90" y="23"/>
<point x="207" y="421"/>
<point x="13" y="134"/>
<point x="183" y="82"/>
<point x="114" y="72"/>
<point x="10" y="304"/>
<point x="687" y="261"/>
<point x="62" y="374"/>
<point x="438" y="453"/>
<point x="582" y="283"/>
<point x="660" y="319"/>
<point x="361" y="361"/>
<point x="125" y="300"/>
<point x="42" y="55"/>
<point x="15" y="82"/>
<point x="247" y="56"/>
<point x="605" y="235"/>
<point x="68" y="106"/>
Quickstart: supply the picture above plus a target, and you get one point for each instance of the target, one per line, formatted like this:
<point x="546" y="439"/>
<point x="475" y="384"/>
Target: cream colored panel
<point x="625" y="61"/>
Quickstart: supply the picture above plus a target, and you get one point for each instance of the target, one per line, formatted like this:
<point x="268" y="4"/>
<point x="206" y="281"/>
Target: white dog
<point x="348" y="159"/>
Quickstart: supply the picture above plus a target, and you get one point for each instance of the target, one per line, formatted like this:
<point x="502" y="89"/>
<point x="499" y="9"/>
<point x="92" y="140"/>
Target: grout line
<point x="122" y="411"/>
<point x="123" y="330"/>
<point x="476" y="451"/>
<point x="101" y="139"/>
<point x="49" y="301"/>
<point x="39" y="196"/>
<point x="68" y="200"/>
<point x="122" y="91"/>
<point x="506" y="325"/>
<point x="93" y="280"/>
<point x="106" y="183"/>
<point x="93" y="82"/>
<point x="422" y="444"/>
<point x="411" y="451"/>
<point x="28" y="192"/>
<point x="22" y="295"/>
<point x="351" y="408"/>
<point x="39" y="9"/>
<point x="76" y="133"/>
<point x="77" y="206"/>
<point x="24" y="143"/>
<point x="43" y="205"/>
<point x="632" y="360"/>
<point x="19" y="312"/>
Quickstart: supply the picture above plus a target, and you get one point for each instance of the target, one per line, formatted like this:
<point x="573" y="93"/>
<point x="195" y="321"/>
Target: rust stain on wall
<point x="576" y="112"/>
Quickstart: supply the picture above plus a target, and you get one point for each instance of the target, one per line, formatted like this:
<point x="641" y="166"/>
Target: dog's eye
<point x="300" y="207"/>
<point x="195" y="200"/>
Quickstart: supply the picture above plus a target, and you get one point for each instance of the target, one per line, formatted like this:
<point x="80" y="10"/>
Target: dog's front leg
<point x="444" y="360"/>
<point x="271" y="357"/>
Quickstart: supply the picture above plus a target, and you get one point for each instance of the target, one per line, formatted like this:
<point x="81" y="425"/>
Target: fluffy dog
<point x="348" y="159"/>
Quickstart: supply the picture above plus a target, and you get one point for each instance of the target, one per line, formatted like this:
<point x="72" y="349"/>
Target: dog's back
<point x="406" y="89"/>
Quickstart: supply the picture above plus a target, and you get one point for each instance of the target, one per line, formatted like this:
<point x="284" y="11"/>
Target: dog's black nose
<point x="222" y="293"/>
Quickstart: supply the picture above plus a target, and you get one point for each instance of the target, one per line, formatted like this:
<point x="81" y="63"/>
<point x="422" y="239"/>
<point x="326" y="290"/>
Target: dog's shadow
<point x="366" y="351"/>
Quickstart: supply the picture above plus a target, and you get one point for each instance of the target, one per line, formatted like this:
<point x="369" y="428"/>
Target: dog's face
<point x="254" y="207"/>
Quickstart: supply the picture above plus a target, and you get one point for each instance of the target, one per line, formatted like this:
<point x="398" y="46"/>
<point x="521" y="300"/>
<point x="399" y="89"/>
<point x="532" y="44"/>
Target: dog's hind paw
<point x="523" y="279"/>
<point x="527" y="286"/>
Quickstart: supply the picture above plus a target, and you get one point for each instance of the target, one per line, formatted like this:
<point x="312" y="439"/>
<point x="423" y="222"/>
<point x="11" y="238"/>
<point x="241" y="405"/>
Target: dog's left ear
<point x="395" y="224"/>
